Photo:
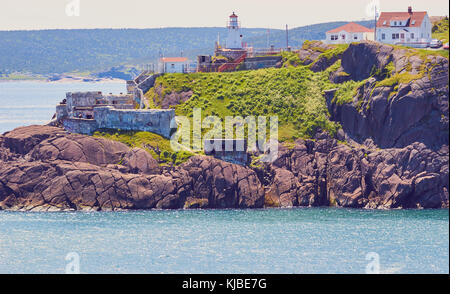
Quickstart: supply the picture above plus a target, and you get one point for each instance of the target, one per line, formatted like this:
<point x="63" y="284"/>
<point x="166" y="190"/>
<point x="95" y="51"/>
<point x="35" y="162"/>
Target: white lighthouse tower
<point x="234" y="39"/>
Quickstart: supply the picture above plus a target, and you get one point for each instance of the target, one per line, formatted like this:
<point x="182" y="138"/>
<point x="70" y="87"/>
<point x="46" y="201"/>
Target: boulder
<point x="61" y="171"/>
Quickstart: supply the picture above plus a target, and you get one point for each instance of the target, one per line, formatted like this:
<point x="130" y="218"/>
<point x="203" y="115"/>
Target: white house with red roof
<point x="411" y="28"/>
<point x="351" y="32"/>
<point x="173" y="65"/>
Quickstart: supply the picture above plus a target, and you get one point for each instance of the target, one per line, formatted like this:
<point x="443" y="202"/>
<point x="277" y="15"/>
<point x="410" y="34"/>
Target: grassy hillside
<point x="440" y="30"/>
<point x="293" y="93"/>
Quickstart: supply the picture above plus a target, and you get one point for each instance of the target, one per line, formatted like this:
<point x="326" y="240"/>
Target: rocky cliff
<point x="392" y="151"/>
<point x="403" y="97"/>
<point x="45" y="168"/>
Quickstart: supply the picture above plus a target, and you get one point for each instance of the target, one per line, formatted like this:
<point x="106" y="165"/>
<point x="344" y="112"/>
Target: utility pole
<point x="375" y="30"/>
<point x="287" y="37"/>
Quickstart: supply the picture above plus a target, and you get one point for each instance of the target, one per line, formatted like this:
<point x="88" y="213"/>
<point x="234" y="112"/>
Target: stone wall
<point x="61" y="111"/>
<point x="82" y="99"/>
<point x="150" y="120"/>
<point x="140" y="85"/>
<point x="80" y="125"/>
<point x="261" y="62"/>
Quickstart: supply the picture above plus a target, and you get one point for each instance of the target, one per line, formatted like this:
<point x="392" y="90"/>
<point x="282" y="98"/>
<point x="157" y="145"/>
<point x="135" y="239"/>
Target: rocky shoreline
<point x="391" y="153"/>
<point x="47" y="169"/>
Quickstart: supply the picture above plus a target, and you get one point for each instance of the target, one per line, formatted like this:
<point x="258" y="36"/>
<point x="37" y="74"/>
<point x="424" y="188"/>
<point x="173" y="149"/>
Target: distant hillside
<point x="61" y="51"/>
<point x="48" y="52"/>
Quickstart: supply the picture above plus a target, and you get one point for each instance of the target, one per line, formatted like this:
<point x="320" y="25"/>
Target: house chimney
<point x="409" y="9"/>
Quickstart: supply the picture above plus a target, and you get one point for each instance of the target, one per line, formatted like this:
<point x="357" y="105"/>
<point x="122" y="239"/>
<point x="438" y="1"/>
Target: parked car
<point x="445" y="46"/>
<point x="435" y="43"/>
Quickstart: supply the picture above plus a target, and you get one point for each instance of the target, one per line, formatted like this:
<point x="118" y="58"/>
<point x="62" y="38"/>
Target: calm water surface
<point x="309" y="240"/>
<point x="27" y="103"/>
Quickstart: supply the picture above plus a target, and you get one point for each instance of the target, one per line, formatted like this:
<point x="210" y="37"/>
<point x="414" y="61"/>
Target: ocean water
<point x="301" y="240"/>
<point x="28" y="102"/>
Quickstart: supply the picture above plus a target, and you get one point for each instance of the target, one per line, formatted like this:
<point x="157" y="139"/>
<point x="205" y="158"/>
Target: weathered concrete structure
<point x="230" y="150"/>
<point x="157" y="121"/>
<point x="86" y="112"/>
<point x="140" y="85"/>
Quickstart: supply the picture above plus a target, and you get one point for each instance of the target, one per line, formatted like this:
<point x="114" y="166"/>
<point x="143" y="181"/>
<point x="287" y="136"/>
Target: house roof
<point x="233" y="15"/>
<point x="415" y="19"/>
<point x="351" y="27"/>
<point x="174" y="59"/>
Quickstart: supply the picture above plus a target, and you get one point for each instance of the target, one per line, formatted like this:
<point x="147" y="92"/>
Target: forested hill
<point x="60" y="51"/>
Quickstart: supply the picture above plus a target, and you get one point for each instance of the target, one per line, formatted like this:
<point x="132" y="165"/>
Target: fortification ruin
<point x="86" y="112"/>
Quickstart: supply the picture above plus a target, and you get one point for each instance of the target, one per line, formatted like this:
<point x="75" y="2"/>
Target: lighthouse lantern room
<point x="234" y="39"/>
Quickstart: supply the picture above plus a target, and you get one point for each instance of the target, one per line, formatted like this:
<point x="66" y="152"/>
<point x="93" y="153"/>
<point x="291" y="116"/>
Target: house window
<point x="383" y="36"/>
<point x="402" y="36"/>
<point x="172" y="65"/>
<point x="412" y="35"/>
<point x="395" y="23"/>
<point x="343" y="37"/>
<point x="355" y="37"/>
<point x="334" y="37"/>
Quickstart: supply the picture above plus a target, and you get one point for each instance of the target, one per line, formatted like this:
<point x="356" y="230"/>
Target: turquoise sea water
<point x="308" y="240"/>
<point x="27" y="103"/>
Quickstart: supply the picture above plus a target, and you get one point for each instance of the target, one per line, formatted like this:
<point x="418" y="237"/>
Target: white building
<point x="234" y="39"/>
<point x="351" y="32"/>
<point x="173" y="65"/>
<point x="404" y="28"/>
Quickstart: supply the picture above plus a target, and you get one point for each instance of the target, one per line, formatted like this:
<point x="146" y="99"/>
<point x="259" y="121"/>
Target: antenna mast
<point x="287" y="37"/>
<point x="375" y="30"/>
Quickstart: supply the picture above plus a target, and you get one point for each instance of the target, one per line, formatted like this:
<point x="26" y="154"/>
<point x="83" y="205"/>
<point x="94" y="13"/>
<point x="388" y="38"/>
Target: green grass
<point x="440" y="31"/>
<point x="158" y="146"/>
<point x="336" y="51"/>
<point x="347" y="91"/>
<point x="21" y="77"/>
<point x="403" y="78"/>
<point x="293" y="93"/>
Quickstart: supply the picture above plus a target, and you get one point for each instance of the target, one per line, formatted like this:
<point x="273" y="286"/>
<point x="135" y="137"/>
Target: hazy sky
<point x="47" y="14"/>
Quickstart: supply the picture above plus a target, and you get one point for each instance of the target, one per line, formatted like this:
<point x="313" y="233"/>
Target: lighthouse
<point x="234" y="39"/>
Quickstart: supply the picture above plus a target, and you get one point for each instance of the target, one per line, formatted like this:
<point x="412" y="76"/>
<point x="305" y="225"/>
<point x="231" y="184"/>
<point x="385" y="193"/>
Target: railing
<point x="232" y="65"/>
<point x="253" y="52"/>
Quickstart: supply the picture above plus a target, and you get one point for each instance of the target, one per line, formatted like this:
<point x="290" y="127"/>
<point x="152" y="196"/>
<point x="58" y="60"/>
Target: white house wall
<point x="172" y="67"/>
<point x="349" y="37"/>
<point x="422" y="34"/>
